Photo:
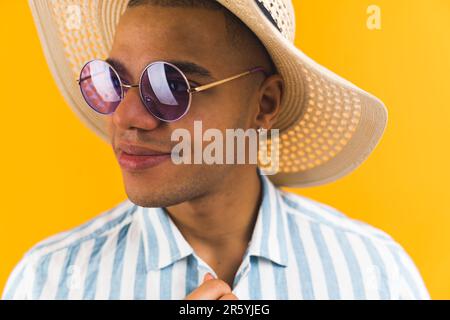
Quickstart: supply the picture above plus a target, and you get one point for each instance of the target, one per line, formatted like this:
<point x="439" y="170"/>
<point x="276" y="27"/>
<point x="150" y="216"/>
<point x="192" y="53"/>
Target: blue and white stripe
<point x="300" y="249"/>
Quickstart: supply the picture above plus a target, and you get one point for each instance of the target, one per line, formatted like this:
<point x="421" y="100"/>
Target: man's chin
<point x="168" y="186"/>
<point x="155" y="191"/>
<point x="151" y="199"/>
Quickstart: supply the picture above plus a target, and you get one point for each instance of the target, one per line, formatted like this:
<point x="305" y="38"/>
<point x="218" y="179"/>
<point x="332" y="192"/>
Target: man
<point x="200" y="231"/>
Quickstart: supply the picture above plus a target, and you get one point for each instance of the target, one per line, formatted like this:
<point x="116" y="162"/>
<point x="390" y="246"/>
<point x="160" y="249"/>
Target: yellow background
<point x="56" y="174"/>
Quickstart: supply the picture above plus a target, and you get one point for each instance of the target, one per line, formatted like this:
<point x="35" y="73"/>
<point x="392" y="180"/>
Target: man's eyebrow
<point x="118" y="66"/>
<point x="189" y="68"/>
<point x="192" y="68"/>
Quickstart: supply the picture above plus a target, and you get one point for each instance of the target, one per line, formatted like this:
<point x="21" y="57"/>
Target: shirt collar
<point x="163" y="243"/>
<point x="269" y="235"/>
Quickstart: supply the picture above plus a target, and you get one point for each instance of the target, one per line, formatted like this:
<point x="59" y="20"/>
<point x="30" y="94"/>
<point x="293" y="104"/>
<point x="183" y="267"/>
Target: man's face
<point x="150" y="33"/>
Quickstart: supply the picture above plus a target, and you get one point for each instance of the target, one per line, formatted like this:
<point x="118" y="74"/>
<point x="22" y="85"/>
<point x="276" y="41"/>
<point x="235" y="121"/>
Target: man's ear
<point x="270" y="95"/>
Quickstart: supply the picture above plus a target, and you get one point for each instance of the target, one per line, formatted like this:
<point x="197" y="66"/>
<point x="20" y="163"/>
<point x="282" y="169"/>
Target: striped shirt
<point x="299" y="249"/>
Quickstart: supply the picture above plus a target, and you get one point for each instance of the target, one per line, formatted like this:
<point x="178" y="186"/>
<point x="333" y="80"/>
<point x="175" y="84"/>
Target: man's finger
<point x="210" y="290"/>
<point x="229" y="296"/>
<point x="208" y="276"/>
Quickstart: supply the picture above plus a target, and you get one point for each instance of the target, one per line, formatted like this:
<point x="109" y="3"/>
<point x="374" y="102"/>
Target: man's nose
<point x="131" y="113"/>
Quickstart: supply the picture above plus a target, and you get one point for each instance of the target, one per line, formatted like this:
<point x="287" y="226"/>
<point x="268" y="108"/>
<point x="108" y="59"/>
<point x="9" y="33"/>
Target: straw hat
<point x="328" y="126"/>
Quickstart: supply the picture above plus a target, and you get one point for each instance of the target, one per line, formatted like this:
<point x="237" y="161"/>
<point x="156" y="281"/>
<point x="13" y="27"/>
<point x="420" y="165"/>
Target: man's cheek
<point x="109" y="127"/>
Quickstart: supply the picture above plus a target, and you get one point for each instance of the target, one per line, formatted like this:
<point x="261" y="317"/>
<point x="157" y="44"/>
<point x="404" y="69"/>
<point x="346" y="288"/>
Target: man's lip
<point x="137" y="163"/>
<point x="136" y="150"/>
<point x="135" y="158"/>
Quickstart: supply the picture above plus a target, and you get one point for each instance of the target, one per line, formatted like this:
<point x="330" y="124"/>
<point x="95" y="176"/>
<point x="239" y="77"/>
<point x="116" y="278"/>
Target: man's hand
<point x="212" y="289"/>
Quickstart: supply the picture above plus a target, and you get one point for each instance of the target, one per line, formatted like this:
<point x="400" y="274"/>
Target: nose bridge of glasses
<point x="126" y="87"/>
<point x="129" y="86"/>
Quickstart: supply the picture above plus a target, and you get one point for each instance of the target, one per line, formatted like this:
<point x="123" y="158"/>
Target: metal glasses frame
<point x="191" y="90"/>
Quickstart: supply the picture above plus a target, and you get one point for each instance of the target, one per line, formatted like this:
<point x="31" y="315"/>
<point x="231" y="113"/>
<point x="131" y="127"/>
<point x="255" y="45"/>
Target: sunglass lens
<point x="100" y="86"/>
<point x="164" y="91"/>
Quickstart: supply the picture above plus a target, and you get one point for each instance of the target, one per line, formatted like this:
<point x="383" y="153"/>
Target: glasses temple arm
<point x="216" y="83"/>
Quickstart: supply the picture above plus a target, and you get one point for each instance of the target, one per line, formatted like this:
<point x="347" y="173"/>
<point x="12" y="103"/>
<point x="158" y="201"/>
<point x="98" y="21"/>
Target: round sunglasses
<point x="164" y="89"/>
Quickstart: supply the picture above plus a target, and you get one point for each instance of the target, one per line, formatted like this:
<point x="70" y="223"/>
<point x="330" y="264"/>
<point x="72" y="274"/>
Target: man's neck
<point x="219" y="226"/>
<point x="224" y="216"/>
